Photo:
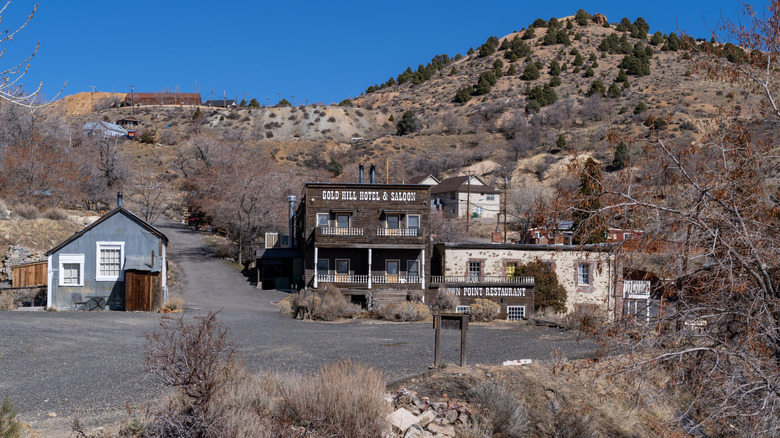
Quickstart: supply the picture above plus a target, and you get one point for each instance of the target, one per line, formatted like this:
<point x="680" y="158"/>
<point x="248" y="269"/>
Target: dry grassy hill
<point x="494" y="127"/>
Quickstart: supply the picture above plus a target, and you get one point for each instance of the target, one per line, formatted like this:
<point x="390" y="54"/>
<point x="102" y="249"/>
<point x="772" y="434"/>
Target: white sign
<point x="368" y="195"/>
<point x="487" y="291"/>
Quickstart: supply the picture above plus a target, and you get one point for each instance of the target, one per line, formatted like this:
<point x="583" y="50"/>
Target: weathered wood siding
<point x="143" y="291"/>
<point x="29" y="274"/>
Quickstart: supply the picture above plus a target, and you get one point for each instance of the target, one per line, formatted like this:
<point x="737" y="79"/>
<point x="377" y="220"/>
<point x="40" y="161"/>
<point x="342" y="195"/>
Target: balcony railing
<point x="404" y="232"/>
<point x="342" y="278"/>
<point x="636" y="289"/>
<point x="439" y="279"/>
<point x="392" y="279"/>
<point x="335" y="231"/>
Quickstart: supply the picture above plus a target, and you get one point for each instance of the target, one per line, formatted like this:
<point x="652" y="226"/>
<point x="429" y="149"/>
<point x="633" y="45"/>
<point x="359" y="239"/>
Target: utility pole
<point x="307" y="101"/>
<point x="280" y="97"/>
<point x="132" y="98"/>
<point x="506" y="182"/>
<point x="293" y="100"/>
<point x="224" y="98"/>
<point x="267" y="102"/>
<point x="387" y="170"/>
<point x="92" y="97"/>
<point x="468" y="199"/>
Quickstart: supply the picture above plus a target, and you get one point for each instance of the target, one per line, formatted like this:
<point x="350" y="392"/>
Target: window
<point x="626" y="236"/>
<point x="342" y="266"/>
<point x="413" y="221"/>
<point x="515" y="313"/>
<point x="71" y="270"/>
<point x="490" y="197"/>
<point x="342" y="220"/>
<point x="393" y="221"/>
<point x="511" y="268"/>
<point x="323" y="266"/>
<point x="583" y="273"/>
<point x="322" y="219"/>
<point x="413" y="268"/>
<point x="392" y="266"/>
<point x="462" y="309"/>
<point x="110" y="258"/>
<point x="475" y="271"/>
<point x="453" y="195"/>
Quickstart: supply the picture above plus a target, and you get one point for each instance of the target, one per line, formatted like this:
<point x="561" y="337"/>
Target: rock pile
<point x="415" y="417"/>
<point x="17" y="255"/>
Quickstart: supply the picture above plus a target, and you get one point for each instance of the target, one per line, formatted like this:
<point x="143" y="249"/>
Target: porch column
<point x="369" y="268"/>
<point x="315" y="266"/>
<point x="422" y="271"/>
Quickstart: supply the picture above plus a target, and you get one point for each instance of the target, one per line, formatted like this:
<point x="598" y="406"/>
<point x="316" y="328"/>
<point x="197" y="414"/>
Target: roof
<point x="156" y="95"/>
<point x="460" y="184"/>
<point x="105" y="126"/>
<point x="277" y="253"/>
<point x="601" y="247"/>
<point x="420" y="178"/>
<point x="102" y="219"/>
<point x="139" y="263"/>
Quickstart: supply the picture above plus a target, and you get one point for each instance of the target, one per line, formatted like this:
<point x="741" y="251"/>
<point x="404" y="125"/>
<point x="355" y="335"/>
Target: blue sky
<point x="322" y="51"/>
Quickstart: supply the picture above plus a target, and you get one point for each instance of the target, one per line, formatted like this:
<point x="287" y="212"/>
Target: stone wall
<point x="17" y="255"/>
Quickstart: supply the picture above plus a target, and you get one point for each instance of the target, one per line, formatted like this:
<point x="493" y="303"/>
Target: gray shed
<point x="90" y="266"/>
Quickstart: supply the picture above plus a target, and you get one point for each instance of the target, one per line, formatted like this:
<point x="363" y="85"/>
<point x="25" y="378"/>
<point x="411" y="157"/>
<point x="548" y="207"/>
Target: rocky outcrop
<point x="17" y="255"/>
<point x="415" y="417"/>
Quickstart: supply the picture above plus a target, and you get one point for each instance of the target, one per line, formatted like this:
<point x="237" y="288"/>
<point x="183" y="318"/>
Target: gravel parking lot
<point x="91" y="363"/>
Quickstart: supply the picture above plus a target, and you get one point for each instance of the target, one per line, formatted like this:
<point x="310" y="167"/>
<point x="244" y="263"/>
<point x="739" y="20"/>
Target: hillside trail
<point x="207" y="283"/>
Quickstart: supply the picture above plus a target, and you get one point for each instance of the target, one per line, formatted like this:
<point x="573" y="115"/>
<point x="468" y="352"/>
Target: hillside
<point x="586" y="103"/>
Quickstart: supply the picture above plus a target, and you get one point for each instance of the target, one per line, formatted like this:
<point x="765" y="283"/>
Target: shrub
<point x="193" y="359"/>
<point x="585" y="317"/>
<point x="173" y="305"/>
<point x="555" y="81"/>
<point x="547" y="291"/>
<point x="484" y="310"/>
<point x="597" y="87"/>
<point x="589" y="73"/>
<point x="341" y="399"/>
<point x="405" y="311"/>
<point x="334" y="305"/>
<point x="408" y="123"/>
<point x="463" y="95"/>
<point x="6" y="303"/>
<point x="55" y="214"/>
<point x="26" y="211"/>
<point x="10" y="426"/>
<point x="499" y="410"/>
<point x="444" y="301"/>
<point x="582" y="17"/>
<point x="531" y="72"/>
<point x="640" y="107"/>
<point x="346" y="102"/>
<point x="147" y="137"/>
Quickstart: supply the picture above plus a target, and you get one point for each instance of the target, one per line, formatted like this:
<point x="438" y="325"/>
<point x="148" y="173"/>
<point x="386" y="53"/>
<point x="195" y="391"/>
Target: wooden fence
<point x="29" y="274"/>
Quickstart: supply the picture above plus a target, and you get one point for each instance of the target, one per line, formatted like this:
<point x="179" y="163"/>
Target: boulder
<point x="414" y="431"/>
<point x="441" y="429"/>
<point x="426" y="417"/>
<point x="402" y="420"/>
<point x="599" y="19"/>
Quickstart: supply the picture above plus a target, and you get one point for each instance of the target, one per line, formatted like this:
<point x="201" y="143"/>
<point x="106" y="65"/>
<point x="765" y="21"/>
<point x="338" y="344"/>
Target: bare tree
<point x="150" y="196"/>
<point x="712" y="209"/>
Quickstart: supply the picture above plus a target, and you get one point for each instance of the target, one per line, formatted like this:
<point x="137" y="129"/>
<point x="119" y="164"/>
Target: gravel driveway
<point x="91" y="363"/>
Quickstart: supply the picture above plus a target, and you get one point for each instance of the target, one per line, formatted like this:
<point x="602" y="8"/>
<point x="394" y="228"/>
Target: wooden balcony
<point x="396" y="279"/>
<point x="335" y="231"/>
<point x="484" y="279"/>
<point x="342" y="278"/>
<point x="403" y="232"/>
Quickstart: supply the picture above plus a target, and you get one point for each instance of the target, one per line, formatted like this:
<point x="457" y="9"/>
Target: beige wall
<point x="489" y="208"/>
<point x="600" y="290"/>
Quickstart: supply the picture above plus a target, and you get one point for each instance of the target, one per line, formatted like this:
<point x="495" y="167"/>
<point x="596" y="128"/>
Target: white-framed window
<point x="109" y="261"/>
<point x="490" y="197"/>
<point x="626" y="236"/>
<point x="515" y="313"/>
<point x="71" y="270"/>
<point x="583" y="273"/>
<point x="462" y="309"/>
<point x="323" y="219"/>
<point x="475" y="271"/>
<point x="413" y="221"/>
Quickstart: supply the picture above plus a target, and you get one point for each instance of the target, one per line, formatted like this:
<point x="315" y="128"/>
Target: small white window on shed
<point x="71" y="270"/>
<point x="490" y="197"/>
<point x="110" y="261"/>
<point x="322" y="219"/>
<point x="515" y="313"/>
<point x="462" y="309"/>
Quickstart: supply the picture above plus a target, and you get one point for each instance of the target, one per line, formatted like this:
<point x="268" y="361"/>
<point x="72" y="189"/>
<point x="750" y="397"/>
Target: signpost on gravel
<point x="450" y="321"/>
